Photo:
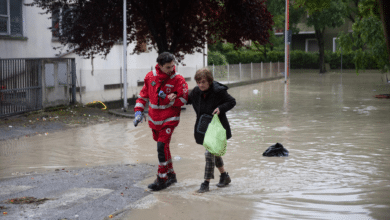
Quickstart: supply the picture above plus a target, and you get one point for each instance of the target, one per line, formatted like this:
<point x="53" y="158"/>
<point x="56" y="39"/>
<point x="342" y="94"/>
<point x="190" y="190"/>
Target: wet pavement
<point x="336" y="132"/>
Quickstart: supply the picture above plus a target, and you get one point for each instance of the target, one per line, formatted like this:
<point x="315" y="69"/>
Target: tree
<point x="277" y="9"/>
<point x="380" y="9"/>
<point x="365" y="29"/>
<point x="351" y="9"/>
<point x="312" y="6"/>
<point x="177" y="26"/>
<point x="330" y="17"/>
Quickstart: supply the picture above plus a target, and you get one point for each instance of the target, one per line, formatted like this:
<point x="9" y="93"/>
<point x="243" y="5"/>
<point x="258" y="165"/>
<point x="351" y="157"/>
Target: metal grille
<point x="32" y="84"/>
<point x="20" y="86"/>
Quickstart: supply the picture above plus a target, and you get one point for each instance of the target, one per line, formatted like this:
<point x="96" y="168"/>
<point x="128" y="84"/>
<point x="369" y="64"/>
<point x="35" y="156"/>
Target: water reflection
<point x="336" y="134"/>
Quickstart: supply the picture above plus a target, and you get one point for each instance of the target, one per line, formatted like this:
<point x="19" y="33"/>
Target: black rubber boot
<point x="171" y="179"/>
<point x="204" y="187"/>
<point x="224" y="180"/>
<point x="158" y="184"/>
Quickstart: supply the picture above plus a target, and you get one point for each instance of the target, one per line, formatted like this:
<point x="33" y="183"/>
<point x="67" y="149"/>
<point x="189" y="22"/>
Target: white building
<point x="24" y="33"/>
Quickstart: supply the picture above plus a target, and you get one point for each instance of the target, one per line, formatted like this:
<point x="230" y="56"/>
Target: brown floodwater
<point x="336" y="132"/>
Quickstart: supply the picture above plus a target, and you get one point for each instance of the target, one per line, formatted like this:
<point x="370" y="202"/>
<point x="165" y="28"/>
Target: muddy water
<point x="336" y="132"/>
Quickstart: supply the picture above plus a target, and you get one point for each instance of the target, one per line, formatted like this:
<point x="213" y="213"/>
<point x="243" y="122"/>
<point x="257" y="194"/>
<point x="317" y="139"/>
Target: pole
<point x="81" y="85"/>
<point x="73" y="66"/>
<point x="286" y="43"/>
<point x="213" y="71"/>
<point x="228" y="74"/>
<point x="341" y="60"/>
<point x="124" y="56"/>
<point x="240" y="72"/>
<point x="120" y="79"/>
<point x="261" y="69"/>
<point x="251" y="70"/>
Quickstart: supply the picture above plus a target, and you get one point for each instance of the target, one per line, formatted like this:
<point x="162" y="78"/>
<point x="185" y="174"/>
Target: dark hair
<point x="164" y="58"/>
<point x="204" y="73"/>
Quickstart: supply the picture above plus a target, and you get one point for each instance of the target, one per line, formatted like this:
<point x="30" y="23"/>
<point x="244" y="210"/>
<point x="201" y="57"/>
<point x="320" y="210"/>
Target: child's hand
<point x="216" y="111"/>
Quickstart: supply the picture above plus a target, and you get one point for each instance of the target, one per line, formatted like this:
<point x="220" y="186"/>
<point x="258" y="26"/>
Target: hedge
<point x="216" y="58"/>
<point x="298" y="59"/>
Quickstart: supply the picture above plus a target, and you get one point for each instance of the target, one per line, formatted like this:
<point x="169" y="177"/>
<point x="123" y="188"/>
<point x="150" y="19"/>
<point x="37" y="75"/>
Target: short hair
<point x="164" y="58"/>
<point x="204" y="73"/>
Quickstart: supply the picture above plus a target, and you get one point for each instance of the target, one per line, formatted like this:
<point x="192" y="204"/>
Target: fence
<point x="33" y="84"/>
<point x="107" y="85"/>
<point x="246" y="72"/>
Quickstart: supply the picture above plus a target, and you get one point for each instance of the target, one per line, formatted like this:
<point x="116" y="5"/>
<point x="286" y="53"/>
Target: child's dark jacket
<point x="206" y="102"/>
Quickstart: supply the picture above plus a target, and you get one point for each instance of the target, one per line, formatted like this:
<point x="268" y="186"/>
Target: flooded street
<point x="336" y="132"/>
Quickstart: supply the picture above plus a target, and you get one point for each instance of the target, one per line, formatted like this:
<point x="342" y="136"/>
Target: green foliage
<point x="298" y="59"/>
<point x="369" y="8"/>
<point x="234" y="57"/>
<point x="351" y="9"/>
<point x="216" y="58"/>
<point x="275" y="56"/>
<point x="312" y="6"/>
<point x="367" y="39"/>
<point x="302" y="60"/>
<point x="278" y="10"/>
<point x="332" y="16"/>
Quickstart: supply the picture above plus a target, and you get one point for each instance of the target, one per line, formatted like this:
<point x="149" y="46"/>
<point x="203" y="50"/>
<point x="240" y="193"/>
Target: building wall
<point x="92" y="74"/>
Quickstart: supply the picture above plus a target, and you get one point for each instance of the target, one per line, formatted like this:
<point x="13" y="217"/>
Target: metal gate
<point x="28" y="84"/>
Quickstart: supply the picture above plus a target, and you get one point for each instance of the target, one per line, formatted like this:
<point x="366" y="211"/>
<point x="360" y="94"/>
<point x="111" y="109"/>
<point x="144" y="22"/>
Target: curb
<point x="122" y="113"/>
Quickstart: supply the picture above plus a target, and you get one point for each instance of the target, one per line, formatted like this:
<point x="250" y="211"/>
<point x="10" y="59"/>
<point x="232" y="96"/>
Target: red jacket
<point x="162" y="112"/>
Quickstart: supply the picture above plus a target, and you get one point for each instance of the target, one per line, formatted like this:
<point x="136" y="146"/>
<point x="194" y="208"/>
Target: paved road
<point x="87" y="193"/>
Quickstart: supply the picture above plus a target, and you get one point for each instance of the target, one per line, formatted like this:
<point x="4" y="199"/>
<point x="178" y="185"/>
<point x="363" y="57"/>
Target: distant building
<point x="305" y="40"/>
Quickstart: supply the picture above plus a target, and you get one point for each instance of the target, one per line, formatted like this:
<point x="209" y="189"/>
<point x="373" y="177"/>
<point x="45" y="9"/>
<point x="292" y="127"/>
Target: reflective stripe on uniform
<point x="145" y="99"/>
<point x="161" y="106"/>
<point x="162" y="122"/>
<point x="183" y="100"/>
<point x="165" y="163"/>
<point x="139" y="105"/>
<point x="162" y="175"/>
<point x="173" y="76"/>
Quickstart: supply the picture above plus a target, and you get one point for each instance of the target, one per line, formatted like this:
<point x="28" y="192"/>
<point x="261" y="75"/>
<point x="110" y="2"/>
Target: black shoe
<point x="171" y="179"/>
<point x="158" y="184"/>
<point x="224" y="180"/>
<point x="204" y="187"/>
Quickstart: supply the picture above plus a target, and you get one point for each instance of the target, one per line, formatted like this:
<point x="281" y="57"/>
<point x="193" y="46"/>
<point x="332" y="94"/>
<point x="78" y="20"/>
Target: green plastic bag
<point x="215" y="138"/>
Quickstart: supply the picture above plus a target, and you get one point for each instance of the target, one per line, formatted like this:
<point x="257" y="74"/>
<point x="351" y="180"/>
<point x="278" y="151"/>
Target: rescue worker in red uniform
<point x="166" y="91"/>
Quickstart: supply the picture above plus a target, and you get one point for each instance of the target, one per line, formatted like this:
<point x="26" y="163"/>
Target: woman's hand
<point x="216" y="111"/>
<point x="172" y="96"/>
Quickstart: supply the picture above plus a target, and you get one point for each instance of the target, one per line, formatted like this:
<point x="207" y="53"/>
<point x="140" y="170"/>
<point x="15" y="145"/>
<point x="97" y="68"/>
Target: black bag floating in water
<point x="276" y="150"/>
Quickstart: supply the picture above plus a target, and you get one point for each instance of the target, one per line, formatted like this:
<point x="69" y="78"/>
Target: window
<point x="335" y="44"/>
<point x="58" y="20"/>
<point x="11" y="17"/>
<point x="311" y="45"/>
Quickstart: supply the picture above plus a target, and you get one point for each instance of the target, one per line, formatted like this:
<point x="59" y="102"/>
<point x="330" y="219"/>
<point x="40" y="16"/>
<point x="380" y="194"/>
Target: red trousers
<point x="163" y="137"/>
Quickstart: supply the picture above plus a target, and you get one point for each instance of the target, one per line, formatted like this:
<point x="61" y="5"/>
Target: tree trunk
<point x="321" y="47"/>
